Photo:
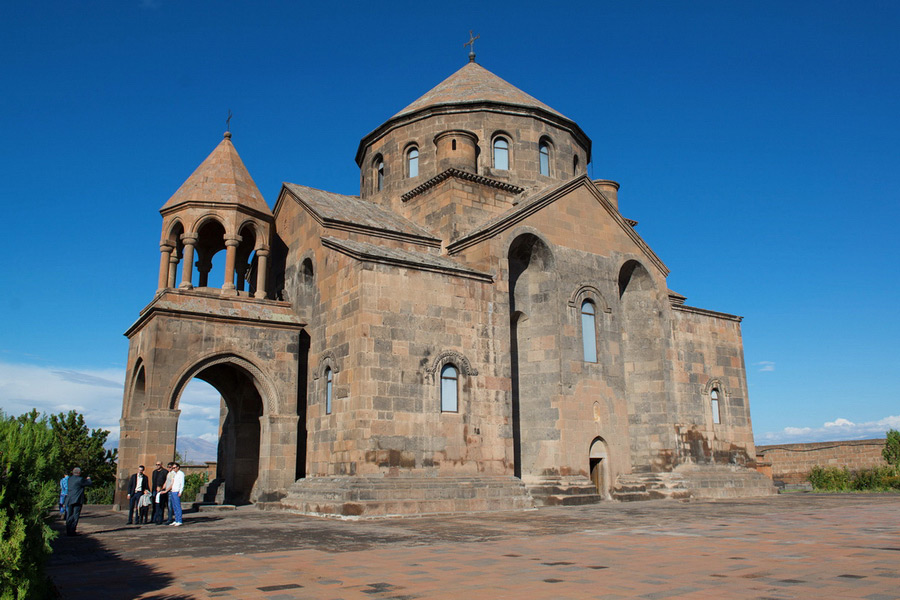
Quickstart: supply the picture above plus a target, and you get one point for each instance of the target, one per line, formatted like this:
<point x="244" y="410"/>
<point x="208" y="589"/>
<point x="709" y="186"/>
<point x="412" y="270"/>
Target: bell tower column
<point x="231" y="244"/>
<point x="262" y="256"/>
<point x="187" y="268"/>
<point x="165" y="254"/>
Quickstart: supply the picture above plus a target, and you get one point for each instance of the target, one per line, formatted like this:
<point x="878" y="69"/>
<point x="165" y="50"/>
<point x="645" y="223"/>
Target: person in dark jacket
<point x="137" y="485"/>
<point x="157" y="483"/>
<point x="75" y="499"/>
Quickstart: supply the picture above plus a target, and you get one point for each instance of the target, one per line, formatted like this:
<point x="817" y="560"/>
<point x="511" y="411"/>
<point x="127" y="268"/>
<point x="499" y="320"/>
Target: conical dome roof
<point x="221" y="178"/>
<point x="474" y="84"/>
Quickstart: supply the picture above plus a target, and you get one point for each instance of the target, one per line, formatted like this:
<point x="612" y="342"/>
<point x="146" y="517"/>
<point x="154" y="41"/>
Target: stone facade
<point x="479" y="329"/>
<point x="791" y="463"/>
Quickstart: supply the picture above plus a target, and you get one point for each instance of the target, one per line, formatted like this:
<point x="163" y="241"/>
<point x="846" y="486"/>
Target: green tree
<point x="83" y="447"/>
<point x="28" y="491"/>
<point x="891" y="450"/>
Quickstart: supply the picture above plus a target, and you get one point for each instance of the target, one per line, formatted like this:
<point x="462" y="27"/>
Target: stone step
<point x="357" y="497"/>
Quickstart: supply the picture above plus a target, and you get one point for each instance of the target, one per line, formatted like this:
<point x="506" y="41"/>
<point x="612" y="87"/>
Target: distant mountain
<point x="195" y="450"/>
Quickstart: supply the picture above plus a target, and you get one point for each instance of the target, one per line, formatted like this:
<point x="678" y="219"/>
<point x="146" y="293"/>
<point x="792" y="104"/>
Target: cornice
<point x="706" y="312"/>
<point x="464" y="175"/>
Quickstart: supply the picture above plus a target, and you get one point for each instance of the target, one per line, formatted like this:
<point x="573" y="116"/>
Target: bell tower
<point x="218" y="208"/>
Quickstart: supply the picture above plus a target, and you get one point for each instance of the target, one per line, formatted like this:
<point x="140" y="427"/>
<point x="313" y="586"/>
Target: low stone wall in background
<point x="791" y="463"/>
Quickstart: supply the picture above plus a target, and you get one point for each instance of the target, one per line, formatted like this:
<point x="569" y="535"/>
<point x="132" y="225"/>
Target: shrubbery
<point x="842" y="479"/>
<point x="28" y="491"/>
<point x="192" y="485"/>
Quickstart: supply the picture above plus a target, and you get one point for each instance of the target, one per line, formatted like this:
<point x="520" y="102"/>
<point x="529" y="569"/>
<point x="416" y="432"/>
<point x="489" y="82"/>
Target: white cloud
<point x="212" y="438"/>
<point x="765" y="366"/>
<point x="96" y="394"/>
<point x="833" y="431"/>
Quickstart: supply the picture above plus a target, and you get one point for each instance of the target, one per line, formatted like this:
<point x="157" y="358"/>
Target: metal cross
<point x="471" y="44"/>
<point x="228" y="121"/>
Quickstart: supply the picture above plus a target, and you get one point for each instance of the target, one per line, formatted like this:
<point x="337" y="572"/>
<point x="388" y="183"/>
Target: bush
<point x="830" y="479"/>
<point x="834" y="479"/>
<point x="891" y="451"/>
<point x="100" y="494"/>
<point x="28" y="492"/>
<point x="192" y="485"/>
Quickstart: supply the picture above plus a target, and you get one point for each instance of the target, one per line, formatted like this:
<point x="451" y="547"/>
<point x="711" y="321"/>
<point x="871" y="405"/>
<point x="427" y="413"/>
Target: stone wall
<point x="791" y="463"/>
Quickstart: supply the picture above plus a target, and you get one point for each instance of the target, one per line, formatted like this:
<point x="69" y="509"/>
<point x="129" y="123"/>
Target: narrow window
<point x="501" y="154"/>
<point x="545" y="159"/>
<point x="453" y="145"/>
<point x="449" y="389"/>
<point x="575" y="165"/>
<point x="714" y="398"/>
<point x="412" y="162"/>
<point x="589" y="331"/>
<point x="329" y="385"/>
<point x="379" y="168"/>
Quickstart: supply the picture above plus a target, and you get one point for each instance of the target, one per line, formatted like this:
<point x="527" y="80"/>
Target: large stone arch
<point x="247" y="399"/>
<point x="534" y="310"/>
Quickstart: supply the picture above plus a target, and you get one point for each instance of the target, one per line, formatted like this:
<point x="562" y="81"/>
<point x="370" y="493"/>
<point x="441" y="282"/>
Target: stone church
<point x="479" y="329"/>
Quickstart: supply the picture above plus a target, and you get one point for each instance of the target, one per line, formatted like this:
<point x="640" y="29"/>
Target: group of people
<point x="163" y="489"/>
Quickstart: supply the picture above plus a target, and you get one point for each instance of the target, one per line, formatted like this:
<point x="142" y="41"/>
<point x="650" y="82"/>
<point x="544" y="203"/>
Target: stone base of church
<point x="367" y="497"/>
<point x="694" y="481"/>
<point x="725" y="481"/>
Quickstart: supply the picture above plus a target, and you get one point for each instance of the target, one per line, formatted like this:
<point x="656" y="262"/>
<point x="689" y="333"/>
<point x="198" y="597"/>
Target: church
<point x="479" y="329"/>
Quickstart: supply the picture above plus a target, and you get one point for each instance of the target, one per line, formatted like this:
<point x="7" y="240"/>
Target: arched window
<point x="589" y="331"/>
<point x="412" y="162"/>
<point x="379" y="173"/>
<point x="714" y="403"/>
<point x="501" y="154"/>
<point x="545" y="158"/>
<point x="449" y="389"/>
<point x="575" y="165"/>
<point x="329" y="388"/>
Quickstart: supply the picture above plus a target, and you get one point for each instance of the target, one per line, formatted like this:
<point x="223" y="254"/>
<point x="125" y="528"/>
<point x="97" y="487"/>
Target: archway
<point x="598" y="460"/>
<point x="239" y="410"/>
<point x="532" y="318"/>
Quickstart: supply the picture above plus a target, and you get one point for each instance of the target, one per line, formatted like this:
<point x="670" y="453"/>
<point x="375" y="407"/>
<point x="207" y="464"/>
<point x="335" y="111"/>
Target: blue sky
<point x="755" y="143"/>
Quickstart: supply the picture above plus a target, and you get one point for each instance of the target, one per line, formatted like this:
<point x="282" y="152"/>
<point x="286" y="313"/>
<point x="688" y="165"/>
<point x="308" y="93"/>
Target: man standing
<point x="74" y="499"/>
<point x="157" y="483"/>
<point x="175" y="493"/>
<point x="167" y="491"/>
<point x="136" y="486"/>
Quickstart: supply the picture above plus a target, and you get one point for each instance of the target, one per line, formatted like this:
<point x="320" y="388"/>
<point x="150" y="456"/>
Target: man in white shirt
<point x="175" y="493"/>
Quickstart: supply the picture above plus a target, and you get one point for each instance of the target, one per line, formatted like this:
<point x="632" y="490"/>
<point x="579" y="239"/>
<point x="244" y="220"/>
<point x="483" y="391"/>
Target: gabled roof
<point x="536" y="201"/>
<point x="350" y="213"/>
<point x="420" y="261"/>
<point x="473" y="83"/>
<point x="221" y="178"/>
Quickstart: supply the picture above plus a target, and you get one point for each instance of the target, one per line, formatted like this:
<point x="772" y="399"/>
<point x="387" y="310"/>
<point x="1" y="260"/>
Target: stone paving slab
<point x="790" y="546"/>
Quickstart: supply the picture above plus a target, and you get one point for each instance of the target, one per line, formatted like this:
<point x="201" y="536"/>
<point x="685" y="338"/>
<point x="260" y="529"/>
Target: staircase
<point x="211" y="493"/>
<point x="564" y="491"/>
<point x="650" y="486"/>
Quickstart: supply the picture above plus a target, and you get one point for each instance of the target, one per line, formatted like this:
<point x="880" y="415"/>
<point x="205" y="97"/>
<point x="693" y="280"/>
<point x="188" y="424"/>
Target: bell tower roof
<point x="222" y="179"/>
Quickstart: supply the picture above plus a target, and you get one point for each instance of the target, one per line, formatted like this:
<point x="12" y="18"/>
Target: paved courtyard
<point x="789" y="546"/>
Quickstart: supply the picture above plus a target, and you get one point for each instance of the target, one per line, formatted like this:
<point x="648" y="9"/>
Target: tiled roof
<point x="222" y="177"/>
<point x="350" y="210"/>
<point x="407" y="258"/>
<point x="471" y="84"/>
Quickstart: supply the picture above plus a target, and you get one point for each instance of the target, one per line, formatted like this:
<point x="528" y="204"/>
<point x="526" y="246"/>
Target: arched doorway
<point x="241" y="406"/>
<point x="599" y="466"/>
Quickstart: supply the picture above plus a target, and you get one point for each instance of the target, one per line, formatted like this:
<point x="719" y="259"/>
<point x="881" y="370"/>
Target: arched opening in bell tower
<point x="239" y="408"/>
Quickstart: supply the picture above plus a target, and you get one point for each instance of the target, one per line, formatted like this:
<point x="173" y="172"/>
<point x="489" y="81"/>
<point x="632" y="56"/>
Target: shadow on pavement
<point x="83" y="567"/>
